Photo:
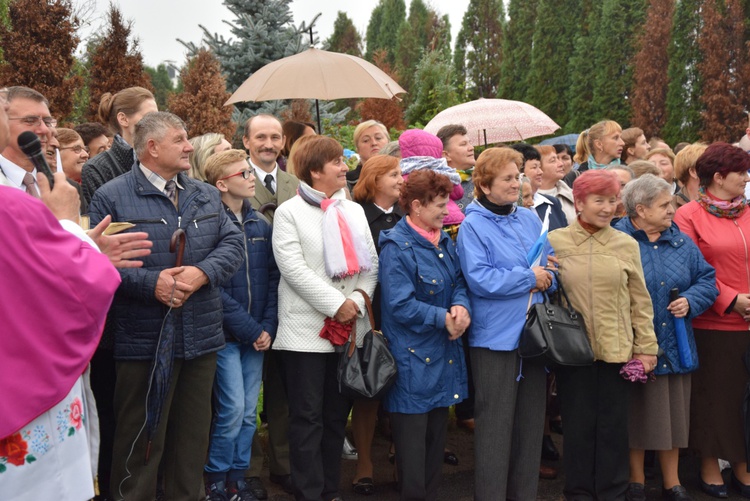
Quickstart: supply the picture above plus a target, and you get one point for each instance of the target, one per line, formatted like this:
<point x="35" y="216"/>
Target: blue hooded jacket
<point x="419" y="283"/>
<point x="493" y="251"/>
<point x="673" y="261"/>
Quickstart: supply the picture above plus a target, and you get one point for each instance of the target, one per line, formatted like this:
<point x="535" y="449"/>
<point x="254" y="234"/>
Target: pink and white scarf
<point x="344" y="249"/>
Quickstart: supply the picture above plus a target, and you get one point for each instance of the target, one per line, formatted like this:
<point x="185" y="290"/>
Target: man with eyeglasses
<point x="28" y="110"/>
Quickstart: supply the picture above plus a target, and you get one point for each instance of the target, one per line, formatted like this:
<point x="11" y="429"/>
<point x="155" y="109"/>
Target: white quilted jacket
<point x="306" y="294"/>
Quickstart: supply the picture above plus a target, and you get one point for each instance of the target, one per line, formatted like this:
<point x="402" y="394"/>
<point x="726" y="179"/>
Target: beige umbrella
<point x="490" y="121"/>
<point x="317" y="74"/>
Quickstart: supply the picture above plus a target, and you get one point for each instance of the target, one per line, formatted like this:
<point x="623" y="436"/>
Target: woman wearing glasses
<point x="73" y="153"/>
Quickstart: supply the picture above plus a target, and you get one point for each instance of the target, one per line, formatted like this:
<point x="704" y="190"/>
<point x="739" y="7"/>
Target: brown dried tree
<point x="650" y="80"/>
<point x="724" y="65"/>
<point x="201" y="102"/>
<point x="390" y="112"/>
<point x="38" y="51"/>
<point x="116" y="64"/>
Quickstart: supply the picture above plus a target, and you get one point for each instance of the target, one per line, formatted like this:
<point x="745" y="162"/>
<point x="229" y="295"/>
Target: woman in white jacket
<point x="324" y="250"/>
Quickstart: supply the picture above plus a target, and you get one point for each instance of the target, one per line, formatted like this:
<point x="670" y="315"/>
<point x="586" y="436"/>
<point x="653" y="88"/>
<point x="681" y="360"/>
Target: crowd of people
<point x="212" y="274"/>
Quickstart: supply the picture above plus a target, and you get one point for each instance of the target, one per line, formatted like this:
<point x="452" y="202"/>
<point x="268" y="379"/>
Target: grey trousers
<point x="509" y="420"/>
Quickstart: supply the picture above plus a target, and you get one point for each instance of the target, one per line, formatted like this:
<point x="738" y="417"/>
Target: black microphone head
<point x="29" y="143"/>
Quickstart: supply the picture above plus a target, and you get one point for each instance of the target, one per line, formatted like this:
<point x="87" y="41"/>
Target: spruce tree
<point x="683" y="106"/>
<point x="648" y="103"/>
<point x="478" y="55"/>
<point x="580" y="89"/>
<point x="162" y="84"/>
<point x="554" y="33"/>
<point x="517" y="44"/>
<point x="394" y="13"/>
<point x="613" y="58"/>
<point x="373" y="29"/>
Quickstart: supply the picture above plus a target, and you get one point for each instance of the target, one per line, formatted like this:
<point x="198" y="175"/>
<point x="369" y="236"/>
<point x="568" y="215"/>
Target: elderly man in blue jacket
<point x="158" y="198"/>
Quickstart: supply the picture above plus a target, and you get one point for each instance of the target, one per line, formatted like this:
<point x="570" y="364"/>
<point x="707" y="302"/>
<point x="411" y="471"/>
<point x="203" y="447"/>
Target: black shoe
<point x="743" y="489"/>
<point x="717" y="491"/>
<point x="636" y="492"/>
<point x="216" y="492"/>
<point x="676" y="493"/>
<point x="285" y="481"/>
<point x="450" y="458"/>
<point x="256" y="487"/>
<point x="549" y="451"/>
<point x="364" y="486"/>
<point x="240" y="491"/>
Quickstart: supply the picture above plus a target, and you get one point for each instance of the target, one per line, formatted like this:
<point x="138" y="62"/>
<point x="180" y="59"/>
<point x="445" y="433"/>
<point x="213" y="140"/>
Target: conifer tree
<point x="723" y="92"/>
<point x="651" y="63"/>
<point x="201" y="102"/>
<point x="373" y="29"/>
<point x="394" y="13"/>
<point x="345" y="38"/>
<point x="478" y="55"/>
<point x="683" y="106"/>
<point x="517" y="44"/>
<point x="433" y="89"/>
<point x="389" y="112"/>
<point x="554" y="33"/>
<point x="38" y="40"/>
<point x="580" y="88"/>
<point x="613" y="58"/>
<point x="116" y="62"/>
<point x="162" y="84"/>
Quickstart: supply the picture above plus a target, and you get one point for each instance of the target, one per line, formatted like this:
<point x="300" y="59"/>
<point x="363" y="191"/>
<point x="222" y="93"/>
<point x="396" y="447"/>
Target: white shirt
<point x="15" y="174"/>
<point x="261" y="174"/>
<point x="159" y="182"/>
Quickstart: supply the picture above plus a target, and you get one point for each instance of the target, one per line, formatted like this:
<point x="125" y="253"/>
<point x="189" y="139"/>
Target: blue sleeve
<point x="137" y="283"/>
<point x="271" y="313"/>
<point x="483" y="278"/>
<point x="238" y="322"/>
<point x="460" y="295"/>
<point x="702" y="292"/>
<point x="398" y="271"/>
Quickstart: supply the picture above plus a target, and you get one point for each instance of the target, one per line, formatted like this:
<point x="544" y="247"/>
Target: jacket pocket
<point x="205" y="218"/>
<point x="427" y="374"/>
<point x="429" y="285"/>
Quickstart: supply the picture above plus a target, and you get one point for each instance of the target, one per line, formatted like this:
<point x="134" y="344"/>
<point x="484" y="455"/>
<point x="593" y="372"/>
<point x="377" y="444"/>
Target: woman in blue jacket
<point x="493" y="245"/>
<point x="425" y="310"/>
<point x="660" y="410"/>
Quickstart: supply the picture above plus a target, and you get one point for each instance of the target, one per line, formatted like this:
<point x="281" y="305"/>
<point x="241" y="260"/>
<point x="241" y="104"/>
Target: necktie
<point x="28" y="181"/>
<point x="171" y="191"/>
<point x="268" y="181"/>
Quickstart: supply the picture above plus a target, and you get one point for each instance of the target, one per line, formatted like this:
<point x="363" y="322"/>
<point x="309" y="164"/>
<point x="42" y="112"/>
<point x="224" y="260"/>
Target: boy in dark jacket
<point x="250" y="321"/>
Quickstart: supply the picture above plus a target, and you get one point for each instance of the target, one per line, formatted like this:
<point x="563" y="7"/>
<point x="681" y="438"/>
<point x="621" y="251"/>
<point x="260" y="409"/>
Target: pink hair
<point x="596" y="182"/>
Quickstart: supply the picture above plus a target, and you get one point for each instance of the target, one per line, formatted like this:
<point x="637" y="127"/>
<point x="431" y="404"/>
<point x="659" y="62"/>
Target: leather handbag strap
<point x="368" y="304"/>
<point x="562" y="293"/>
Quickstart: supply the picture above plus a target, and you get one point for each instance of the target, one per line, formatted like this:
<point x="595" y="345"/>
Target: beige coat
<point x="603" y="278"/>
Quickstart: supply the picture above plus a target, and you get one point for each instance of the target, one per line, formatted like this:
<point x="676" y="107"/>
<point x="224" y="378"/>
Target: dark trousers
<point x="181" y="440"/>
<point x="594" y="405"/>
<point x="103" y="377"/>
<point x="317" y="423"/>
<point x="277" y="413"/>
<point x="509" y="424"/>
<point x="419" y="441"/>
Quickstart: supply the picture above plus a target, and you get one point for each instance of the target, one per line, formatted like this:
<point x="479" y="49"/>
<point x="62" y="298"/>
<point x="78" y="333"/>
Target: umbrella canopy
<point x="491" y="121"/>
<point x="569" y="139"/>
<point x="317" y="74"/>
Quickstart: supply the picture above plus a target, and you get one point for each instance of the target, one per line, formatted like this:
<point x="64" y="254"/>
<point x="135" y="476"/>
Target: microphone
<point x="30" y="145"/>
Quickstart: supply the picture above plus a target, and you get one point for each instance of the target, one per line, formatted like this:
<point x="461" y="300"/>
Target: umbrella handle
<point x="177" y="244"/>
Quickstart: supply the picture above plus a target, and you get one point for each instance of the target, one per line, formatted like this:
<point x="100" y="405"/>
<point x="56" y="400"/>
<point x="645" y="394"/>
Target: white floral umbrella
<point x="490" y="121"/>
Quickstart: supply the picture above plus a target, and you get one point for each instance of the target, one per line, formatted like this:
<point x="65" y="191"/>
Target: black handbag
<point x="556" y="332"/>
<point x="366" y="372"/>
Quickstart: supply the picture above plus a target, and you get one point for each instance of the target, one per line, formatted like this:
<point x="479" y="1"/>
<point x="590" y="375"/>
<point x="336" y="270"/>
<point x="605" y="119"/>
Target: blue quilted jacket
<point x="213" y="244"/>
<point x="251" y="295"/>
<point x="673" y="261"/>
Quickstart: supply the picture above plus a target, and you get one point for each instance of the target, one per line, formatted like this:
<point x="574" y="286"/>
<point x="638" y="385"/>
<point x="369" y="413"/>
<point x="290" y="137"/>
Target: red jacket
<point x="725" y="243"/>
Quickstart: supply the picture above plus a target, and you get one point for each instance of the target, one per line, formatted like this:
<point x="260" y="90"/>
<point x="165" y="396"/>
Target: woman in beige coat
<point x="601" y="270"/>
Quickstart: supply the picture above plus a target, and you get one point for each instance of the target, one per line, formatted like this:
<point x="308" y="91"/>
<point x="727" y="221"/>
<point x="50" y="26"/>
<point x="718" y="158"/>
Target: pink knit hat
<point x="418" y="143"/>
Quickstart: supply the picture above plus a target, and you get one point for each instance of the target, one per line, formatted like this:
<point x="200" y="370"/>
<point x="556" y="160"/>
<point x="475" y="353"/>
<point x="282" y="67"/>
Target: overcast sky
<point x="158" y="23"/>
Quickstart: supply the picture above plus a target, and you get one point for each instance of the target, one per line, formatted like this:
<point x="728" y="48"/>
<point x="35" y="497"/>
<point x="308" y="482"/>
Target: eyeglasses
<point x="244" y="173"/>
<point x="34" y="120"/>
<point x="76" y="149"/>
